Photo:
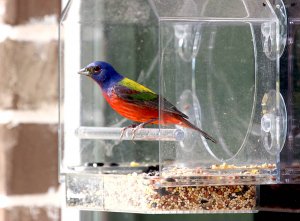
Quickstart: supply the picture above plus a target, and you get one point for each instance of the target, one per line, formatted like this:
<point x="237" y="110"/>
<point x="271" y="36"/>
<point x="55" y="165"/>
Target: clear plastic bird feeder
<point x="216" y="61"/>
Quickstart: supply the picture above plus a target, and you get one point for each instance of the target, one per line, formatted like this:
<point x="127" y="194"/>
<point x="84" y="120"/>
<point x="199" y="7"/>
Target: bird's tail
<point x="186" y="123"/>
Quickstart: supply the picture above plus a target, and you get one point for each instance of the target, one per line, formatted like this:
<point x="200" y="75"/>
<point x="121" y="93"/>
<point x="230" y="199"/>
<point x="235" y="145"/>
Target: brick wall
<point x="28" y="110"/>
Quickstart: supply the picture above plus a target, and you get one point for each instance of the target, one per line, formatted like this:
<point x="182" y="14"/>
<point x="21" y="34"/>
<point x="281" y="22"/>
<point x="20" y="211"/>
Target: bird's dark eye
<point x="97" y="68"/>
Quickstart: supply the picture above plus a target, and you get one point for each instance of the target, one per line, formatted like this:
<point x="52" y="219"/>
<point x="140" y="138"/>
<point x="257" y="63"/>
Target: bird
<point x="135" y="101"/>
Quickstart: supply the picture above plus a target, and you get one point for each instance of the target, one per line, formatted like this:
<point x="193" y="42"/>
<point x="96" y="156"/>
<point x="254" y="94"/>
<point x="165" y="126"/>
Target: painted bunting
<point x="135" y="101"/>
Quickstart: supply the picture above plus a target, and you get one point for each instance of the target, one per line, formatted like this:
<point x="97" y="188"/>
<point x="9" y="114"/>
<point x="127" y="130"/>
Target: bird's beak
<point x="84" y="71"/>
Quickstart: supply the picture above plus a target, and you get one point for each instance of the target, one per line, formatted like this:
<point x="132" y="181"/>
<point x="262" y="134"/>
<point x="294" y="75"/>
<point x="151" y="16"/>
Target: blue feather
<point x="107" y="77"/>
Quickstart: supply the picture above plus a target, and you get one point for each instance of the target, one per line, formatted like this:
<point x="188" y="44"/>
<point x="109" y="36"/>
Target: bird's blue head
<point x="103" y="73"/>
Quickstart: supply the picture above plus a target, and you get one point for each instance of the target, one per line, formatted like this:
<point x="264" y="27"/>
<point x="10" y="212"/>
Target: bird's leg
<point x="125" y="128"/>
<point x="141" y="126"/>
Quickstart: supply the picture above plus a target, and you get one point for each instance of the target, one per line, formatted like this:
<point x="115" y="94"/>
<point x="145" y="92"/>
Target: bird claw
<point x="134" y="131"/>
<point x="135" y="127"/>
<point x="122" y="132"/>
<point x="125" y="128"/>
<point x="141" y="126"/>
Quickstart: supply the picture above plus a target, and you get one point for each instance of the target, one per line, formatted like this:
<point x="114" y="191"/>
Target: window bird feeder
<point x="216" y="61"/>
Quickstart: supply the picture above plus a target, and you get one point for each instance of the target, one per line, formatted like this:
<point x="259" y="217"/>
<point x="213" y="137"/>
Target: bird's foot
<point x="141" y="126"/>
<point x="125" y="128"/>
<point x="135" y="129"/>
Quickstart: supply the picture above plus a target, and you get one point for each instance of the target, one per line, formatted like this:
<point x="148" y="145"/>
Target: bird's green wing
<point x="133" y="92"/>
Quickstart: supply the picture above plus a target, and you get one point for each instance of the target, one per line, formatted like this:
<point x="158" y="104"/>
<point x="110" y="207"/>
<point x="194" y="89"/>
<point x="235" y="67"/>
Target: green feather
<point x="144" y="92"/>
<point x="138" y="94"/>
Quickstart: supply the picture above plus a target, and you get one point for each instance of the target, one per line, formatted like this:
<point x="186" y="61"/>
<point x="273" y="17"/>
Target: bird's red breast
<point x="139" y="113"/>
